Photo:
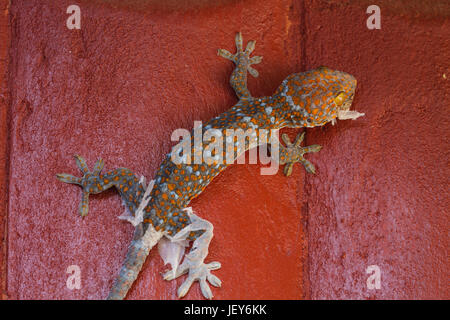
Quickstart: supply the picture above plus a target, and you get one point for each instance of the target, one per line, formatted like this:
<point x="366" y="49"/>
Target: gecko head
<point x="318" y="96"/>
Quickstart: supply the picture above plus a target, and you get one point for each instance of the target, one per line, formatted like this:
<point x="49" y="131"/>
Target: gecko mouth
<point x="344" y="112"/>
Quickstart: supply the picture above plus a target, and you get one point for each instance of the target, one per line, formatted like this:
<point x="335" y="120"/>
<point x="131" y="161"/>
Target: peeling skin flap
<point x="348" y="114"/>
<point x="139" y="214"/>
<point x="172" y="252"/>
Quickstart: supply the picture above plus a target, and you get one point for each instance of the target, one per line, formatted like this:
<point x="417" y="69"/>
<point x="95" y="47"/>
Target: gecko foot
<point x="293" y="153"/>
<point x="200" y="272"/>
<point x="89" y="182"/>
<point x="193" y="263"/>
<point x="241" y="56"/>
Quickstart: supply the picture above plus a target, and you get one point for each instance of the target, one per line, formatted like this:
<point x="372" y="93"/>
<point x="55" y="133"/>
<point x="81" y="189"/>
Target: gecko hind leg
<point x="193" y="262"/>
<point x="243" y="63"/>
<point x="88" y="182"/>
<point x="293" y="153"/>
<point x="130" y="189"/>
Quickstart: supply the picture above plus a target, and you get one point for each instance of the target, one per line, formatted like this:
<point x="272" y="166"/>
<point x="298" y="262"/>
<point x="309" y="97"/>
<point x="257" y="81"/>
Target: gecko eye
<point x="339" y="99"/>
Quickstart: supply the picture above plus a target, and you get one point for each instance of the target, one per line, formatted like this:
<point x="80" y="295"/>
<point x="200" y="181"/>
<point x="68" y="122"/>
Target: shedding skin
<point x="306" y="99"/>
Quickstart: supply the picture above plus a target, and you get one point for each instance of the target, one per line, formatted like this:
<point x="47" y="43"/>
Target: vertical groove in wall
<point x="4" y="149"/>
<point x="295" y="50"/>
<point x="301" y="8"/>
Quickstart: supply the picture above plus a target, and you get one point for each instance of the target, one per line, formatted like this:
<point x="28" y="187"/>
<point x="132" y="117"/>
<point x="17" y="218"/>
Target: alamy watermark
<point x="223" y="147"/>
<point x="374" y="20"/>
<point x="374" y="280"/>
<point x="74" y="20"/>
<point x="74" y="280"/>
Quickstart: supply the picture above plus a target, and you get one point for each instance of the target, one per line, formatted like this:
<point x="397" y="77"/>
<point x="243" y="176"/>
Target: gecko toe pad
<point x="242" y="55"/>
<point x="293" y="153"/>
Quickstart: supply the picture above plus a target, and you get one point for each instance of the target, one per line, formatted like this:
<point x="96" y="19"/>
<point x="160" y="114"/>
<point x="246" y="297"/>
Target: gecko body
<point x="160" y="210"/>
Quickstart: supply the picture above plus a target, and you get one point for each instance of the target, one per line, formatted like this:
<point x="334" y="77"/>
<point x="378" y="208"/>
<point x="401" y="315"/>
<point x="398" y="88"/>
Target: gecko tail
<point x="137" y="253"/>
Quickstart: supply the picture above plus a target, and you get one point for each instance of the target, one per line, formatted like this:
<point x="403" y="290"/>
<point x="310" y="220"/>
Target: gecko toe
<point x="201" y="273"/>
<point x="242" y="56"/>
<point x="67" y="178"/>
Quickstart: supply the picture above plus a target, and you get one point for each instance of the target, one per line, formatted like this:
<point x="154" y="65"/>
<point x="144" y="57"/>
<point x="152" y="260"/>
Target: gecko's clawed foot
<point x="89" y="182"/>
<point x="293" y="153"/>
<point x="242" y="56"/>
<point x="196" y="272"/>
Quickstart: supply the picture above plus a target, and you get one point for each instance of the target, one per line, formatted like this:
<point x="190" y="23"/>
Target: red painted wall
<point x="4" y="107"/>
<point x="381" y="195"/>
<point x="117" y="89"/>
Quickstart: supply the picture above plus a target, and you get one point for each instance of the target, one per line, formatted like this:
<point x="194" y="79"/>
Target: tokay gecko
<point x="160" y="211"/>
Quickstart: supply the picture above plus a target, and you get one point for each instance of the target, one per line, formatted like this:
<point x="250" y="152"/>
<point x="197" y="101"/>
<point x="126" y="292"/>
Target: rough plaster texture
<point x="4" y="98"/>
<point x="138" y="70"/>
<point x="381" y="195"/>
<point x="117" y="89"/>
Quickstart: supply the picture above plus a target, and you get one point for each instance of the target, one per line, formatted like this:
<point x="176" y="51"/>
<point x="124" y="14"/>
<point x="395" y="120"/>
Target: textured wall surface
<point x="117" y="89"/>
<point x="137" y="70"/>
<point x="4" y="98"/>
<point x="381" y="194"/>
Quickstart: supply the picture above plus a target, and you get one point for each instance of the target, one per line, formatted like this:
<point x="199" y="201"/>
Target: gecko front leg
<point x="293" y="153"/>
<point x="193" y="262"/>
<point x="241" y="58"/>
